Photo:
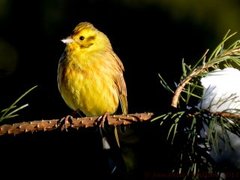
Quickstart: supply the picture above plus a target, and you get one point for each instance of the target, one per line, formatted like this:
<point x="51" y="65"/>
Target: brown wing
<point x="121" y="85"/>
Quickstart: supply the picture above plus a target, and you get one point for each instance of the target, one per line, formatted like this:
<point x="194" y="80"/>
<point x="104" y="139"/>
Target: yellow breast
<point x="88" y="85"/>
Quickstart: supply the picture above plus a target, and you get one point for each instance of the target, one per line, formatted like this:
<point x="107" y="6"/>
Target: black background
<point x="147" y="39"/>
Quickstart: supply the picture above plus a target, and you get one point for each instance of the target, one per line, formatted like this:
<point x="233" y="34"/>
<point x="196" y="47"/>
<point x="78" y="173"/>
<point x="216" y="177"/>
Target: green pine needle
<point x="221" y="56"/>
<point x="13" y="109"/>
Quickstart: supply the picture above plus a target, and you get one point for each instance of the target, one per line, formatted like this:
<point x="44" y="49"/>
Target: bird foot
<point x="65" y="122"/>
<point x="101" y="120"/>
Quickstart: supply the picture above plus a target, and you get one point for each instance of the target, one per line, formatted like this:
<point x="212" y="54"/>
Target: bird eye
<point x="81" y="38"/>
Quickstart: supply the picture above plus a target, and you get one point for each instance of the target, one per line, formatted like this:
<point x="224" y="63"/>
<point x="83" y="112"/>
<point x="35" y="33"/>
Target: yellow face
<point x="87" y="37"/>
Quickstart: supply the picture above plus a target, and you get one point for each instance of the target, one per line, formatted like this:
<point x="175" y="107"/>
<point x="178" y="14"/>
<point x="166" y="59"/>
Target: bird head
<point x="86" y="37"/>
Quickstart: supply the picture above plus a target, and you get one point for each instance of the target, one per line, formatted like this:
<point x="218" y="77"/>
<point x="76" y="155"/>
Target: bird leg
<point x="101" y="120"/>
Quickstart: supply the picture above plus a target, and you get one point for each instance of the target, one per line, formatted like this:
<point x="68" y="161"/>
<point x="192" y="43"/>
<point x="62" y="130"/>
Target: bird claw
<point x="65" y="122"/>
<point x="101" y="120"/>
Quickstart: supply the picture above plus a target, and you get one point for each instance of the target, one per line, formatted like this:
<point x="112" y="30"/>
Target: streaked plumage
<point x="90" y="75"/>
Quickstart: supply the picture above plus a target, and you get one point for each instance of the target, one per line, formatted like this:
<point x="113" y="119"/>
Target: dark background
<point x="150" y="37"/>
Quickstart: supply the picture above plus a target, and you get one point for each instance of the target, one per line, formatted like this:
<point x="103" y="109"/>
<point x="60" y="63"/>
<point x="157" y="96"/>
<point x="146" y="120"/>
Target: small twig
<point x="76" y="123"/>
<point x="181" y="86"/>
<point x="228" y="115"/>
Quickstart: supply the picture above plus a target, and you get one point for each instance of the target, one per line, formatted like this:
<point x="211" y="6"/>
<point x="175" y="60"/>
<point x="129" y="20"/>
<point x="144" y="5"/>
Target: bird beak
<point x="67" y="40"/>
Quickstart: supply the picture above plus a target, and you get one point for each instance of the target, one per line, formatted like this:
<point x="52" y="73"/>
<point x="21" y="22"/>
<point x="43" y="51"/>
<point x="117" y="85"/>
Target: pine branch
<point x="75" y="123"/>
<point x="234" y="116"/>
<point x="219" y="55"/>
<point x="187" y="124"/>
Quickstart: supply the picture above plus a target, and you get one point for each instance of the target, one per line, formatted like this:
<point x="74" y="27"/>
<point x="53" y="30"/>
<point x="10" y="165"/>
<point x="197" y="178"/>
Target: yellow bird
<point x="90" y="74"/>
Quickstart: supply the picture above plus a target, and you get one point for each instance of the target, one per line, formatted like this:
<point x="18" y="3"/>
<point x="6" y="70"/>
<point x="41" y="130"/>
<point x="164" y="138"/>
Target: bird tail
<point x="115" y="162"/>
<point x="124" y="107"/>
